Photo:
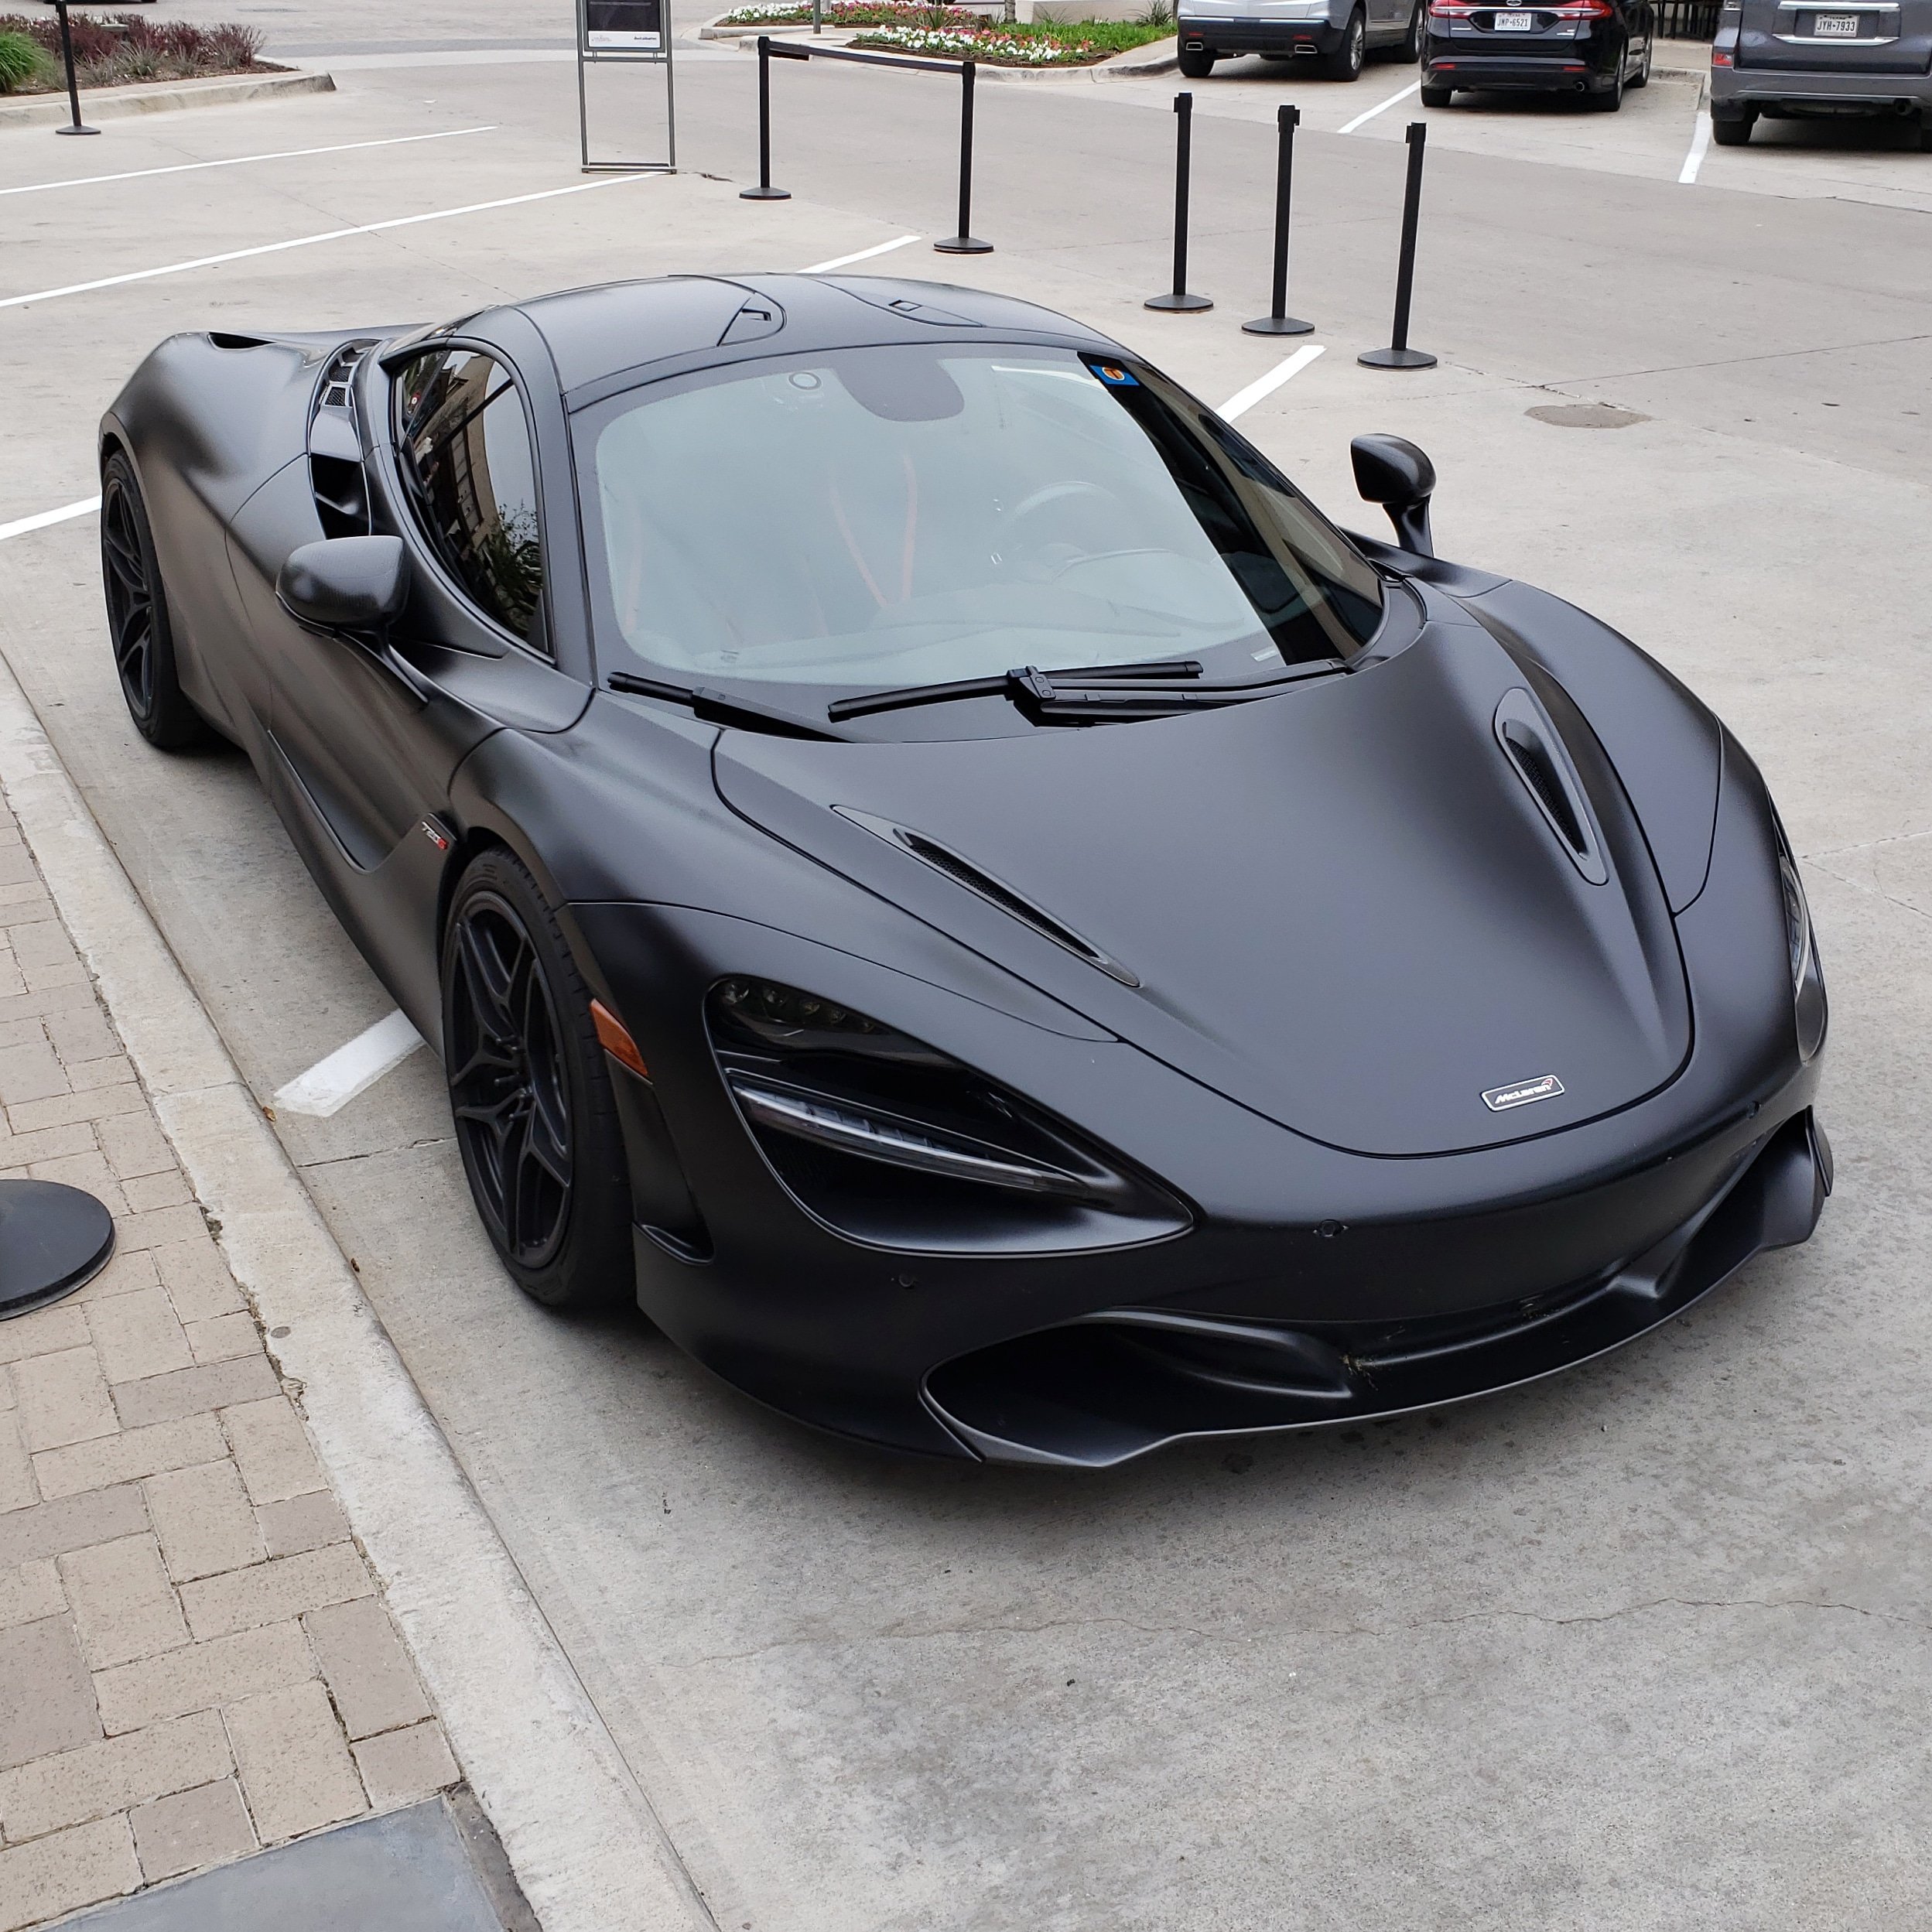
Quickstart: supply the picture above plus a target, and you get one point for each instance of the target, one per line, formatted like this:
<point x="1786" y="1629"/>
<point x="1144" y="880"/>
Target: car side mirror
<point x="1395" y="473"/>
<point x="345" y="583"/>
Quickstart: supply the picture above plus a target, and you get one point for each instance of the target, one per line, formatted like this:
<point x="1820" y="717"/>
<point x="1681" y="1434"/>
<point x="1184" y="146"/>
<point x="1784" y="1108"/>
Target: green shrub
<point x="20" y="61"/>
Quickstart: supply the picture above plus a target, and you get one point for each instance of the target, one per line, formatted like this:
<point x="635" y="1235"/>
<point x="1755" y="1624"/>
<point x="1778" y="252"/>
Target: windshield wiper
<point x="1006" y="684"/>
<point x="1120" y="693"/>
<point x="719" y="707"/>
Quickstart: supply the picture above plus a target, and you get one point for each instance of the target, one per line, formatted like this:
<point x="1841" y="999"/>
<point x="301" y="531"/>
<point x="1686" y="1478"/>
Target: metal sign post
<point x="625" y="33"/>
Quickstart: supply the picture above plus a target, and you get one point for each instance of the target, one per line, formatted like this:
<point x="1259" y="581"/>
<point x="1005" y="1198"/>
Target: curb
<point x="111" y="103"/>
<point x="588" y="1851"/>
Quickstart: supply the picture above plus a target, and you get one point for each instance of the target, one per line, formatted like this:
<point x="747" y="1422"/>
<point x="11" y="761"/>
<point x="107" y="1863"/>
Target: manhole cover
<point x="1585" y="416"/>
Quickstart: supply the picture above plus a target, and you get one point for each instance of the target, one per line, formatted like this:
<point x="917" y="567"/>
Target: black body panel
<point x="1346" y="933"/>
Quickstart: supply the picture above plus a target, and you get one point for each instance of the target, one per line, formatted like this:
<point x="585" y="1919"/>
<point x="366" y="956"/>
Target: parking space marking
<point x="1700" y="141"/>
<point x="310" y="240"/>
<point x="1243" y="400"/>
<point x="331" y="1084"/>
<point x="241" y="160"/>
<point x="42" y="518"/>
<point x="864" y="255"/>
<point x="1414" y="87"/>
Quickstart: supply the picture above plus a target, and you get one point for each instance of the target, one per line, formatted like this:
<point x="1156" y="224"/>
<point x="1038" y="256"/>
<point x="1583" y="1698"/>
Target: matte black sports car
<point x="929" y="861"/>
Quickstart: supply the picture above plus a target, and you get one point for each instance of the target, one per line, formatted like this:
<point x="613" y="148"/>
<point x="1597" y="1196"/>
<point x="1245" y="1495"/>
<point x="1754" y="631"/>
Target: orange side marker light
<point x="616" y="1042"/>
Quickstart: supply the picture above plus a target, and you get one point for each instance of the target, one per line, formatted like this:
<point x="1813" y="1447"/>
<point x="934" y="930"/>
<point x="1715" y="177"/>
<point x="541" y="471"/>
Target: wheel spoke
<point x="489" y="983"/>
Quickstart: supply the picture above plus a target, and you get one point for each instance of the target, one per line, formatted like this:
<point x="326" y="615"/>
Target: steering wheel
<point x="1050" y="497"/>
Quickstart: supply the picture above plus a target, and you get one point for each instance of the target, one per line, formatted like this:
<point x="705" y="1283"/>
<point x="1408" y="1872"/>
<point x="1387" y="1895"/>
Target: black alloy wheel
<point x="138" y="626"/>
<point x="535" y="1119"/>
<point x="1345" y="62"/>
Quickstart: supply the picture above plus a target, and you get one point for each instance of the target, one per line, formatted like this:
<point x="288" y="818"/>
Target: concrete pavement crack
<point x="938" y="1631"/>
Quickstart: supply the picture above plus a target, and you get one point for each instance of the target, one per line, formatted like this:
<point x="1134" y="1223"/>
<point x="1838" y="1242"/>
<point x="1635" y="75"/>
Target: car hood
<point x="1343" y="906"/>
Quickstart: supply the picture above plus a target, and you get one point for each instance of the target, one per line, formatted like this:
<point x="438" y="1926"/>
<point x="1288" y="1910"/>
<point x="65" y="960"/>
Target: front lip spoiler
<point x="1120" y="1383"/>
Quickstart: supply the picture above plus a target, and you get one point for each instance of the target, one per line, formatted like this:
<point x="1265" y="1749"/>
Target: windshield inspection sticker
<point x="1500" y="1099"/>
<point x="1113" y="375"/>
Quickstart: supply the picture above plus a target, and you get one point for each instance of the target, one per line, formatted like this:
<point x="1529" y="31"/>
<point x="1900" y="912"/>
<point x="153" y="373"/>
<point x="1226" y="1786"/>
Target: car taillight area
<point x="890" y="1142"/>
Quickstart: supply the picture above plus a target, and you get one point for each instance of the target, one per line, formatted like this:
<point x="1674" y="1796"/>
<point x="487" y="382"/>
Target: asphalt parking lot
<point x="1643" y="1646"/>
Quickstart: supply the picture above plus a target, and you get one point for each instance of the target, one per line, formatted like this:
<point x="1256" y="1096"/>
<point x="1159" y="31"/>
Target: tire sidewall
<point x="170" y="721"/>
<point x="592" y="1266"/>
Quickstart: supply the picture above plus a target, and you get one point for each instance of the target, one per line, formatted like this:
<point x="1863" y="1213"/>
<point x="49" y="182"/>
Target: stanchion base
<point x="1277" y="325"/>
<point x="1396" y="359"/>
<point x="53" y="1239"/>
<point x="76" y="130"/>
<point x="1179" y="304"/>
<point x="963" y="244"/>
<point x="764" y="194"/>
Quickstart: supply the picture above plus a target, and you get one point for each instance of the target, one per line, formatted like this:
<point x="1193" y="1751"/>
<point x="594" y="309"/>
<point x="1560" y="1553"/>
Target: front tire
<point x="1196" y="67"/>
<point x="530" y="1095"/>
<point x="138" y="625"/>
<point x="1345" y="62"/>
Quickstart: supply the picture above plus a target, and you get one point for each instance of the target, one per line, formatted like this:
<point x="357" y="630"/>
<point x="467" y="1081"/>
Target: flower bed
<point x="958" y="33"/>
<point x="1040" y="43"/>
<point x="120" y="51"/>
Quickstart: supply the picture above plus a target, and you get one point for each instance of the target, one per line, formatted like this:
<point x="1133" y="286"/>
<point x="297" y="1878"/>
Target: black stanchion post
<point x="765" y="191"/>
<point x="965" y="242"/>
<point x="1177" y="300"/>
<point x="67" y="59"/>
<point x="1399" y="355"/>
<point x="1277" y="321"/>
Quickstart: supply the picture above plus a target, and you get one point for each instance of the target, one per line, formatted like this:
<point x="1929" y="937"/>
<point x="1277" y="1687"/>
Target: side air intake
<point x="963" y="871"/>
<point x="1530" y="744"/>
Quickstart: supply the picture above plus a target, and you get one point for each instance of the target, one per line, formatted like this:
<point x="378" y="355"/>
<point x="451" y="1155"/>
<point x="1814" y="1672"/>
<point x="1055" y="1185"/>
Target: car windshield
<point x="913" y="515"/>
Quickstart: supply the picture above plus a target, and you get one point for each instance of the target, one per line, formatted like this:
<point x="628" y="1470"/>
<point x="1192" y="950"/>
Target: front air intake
<point x="963" y="871"/>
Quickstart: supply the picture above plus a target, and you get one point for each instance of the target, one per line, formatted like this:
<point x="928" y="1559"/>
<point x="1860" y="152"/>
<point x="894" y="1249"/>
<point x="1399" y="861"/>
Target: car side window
<point x="466" y="452"/>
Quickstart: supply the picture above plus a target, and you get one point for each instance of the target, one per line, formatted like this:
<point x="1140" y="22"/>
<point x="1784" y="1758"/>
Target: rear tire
<point x="1612" y="97"/>
<point x="1196" y="67"/>
<point x="1733" y="130"/>
<point x="1437" y="97"/>
<point x="1925" y="135"/>
<point x="138" y="625"/>
<point x="1345" y="62"/>
<point x="530" y="1095"/>
<point x="1642" y="77"/>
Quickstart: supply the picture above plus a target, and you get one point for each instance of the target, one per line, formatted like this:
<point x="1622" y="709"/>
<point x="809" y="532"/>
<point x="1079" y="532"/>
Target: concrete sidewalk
<point x="195" y="1659"/>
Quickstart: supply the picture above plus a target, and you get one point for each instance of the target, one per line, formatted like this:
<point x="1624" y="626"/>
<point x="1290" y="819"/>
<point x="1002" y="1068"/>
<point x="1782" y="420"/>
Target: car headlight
<point x="889" y="1141"/>
<point x="1807" y="976"/>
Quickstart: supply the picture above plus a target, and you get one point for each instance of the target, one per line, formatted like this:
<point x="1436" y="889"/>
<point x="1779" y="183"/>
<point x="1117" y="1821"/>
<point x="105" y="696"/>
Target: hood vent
<point x="963" y="871"/>
<point x="1530" y="741"/>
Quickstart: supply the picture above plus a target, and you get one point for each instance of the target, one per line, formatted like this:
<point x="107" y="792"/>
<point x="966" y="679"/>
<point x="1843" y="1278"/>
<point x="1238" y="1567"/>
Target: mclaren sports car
<point x="929" y="864"/>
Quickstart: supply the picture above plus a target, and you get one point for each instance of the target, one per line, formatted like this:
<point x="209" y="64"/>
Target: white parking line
<point x="1243" y="400"/>
<point x="330" y="1085"/>
<point x="242" y="160"/>
<point x="1700" y="141"/>
<point x="864" y="255"/>
<point x="1414" y="87"/>
<point x="310" y="240"/>
<point x="41" y="518"/>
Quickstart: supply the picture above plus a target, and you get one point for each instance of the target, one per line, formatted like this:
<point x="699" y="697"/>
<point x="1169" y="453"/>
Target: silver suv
<point x="1333" y="36"/>
<point x="1820" y="56"/>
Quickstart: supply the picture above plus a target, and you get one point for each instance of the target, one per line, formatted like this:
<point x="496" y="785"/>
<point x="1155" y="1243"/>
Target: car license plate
<point x="1513" y="22"/>
<point x="1835" y="26"/>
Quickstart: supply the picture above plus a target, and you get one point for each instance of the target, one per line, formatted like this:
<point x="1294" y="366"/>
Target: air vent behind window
<point x="335" y="447"/>
<point x="1530" y="744"/>
<point x="963" y="871"/>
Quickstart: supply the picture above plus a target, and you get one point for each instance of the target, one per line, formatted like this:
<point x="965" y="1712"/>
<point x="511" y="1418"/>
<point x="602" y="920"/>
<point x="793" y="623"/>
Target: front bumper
<point x="1120" y="1383"/>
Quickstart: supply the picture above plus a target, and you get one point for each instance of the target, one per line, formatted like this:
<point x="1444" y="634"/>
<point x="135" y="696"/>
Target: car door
<point x="1837" y="36"/>
<point x="367" y="731"/>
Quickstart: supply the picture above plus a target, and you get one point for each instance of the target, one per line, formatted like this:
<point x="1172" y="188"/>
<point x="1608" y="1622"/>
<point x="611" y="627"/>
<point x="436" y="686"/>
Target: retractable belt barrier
<point x="965" y="242"/>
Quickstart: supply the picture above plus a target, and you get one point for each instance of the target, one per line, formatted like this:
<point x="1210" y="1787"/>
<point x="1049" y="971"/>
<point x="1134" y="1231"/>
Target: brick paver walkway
<point x="193" y="1657"/>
